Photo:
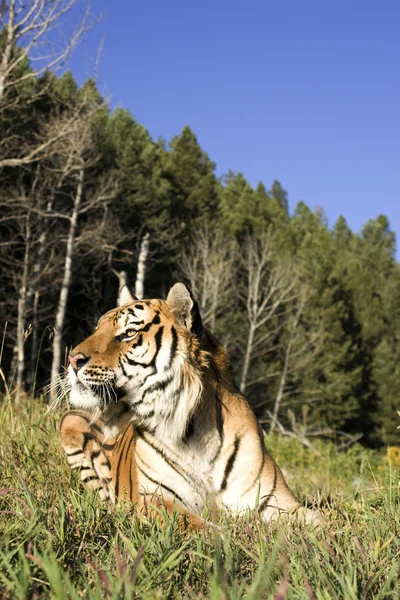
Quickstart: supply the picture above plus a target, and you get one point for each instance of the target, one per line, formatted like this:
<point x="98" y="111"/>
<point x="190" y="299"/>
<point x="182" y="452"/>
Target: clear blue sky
<point x="304" y="92"/>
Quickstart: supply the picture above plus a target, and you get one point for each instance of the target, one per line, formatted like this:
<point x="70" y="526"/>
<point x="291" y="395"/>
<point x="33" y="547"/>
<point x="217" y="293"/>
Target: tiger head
<point x="144" y="358"/>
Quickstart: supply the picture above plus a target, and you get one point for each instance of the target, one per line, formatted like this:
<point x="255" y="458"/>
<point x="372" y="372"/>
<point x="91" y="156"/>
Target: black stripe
<point x="96" y="427"/>
<point x="220" y="426"/>
<point x="95" y="454"/>
<point x="90" y="478"/>
<point x="130" y="478"/>
<point x="170" y="462"/>
<point x="158" y="341"/>
<point x="108" y="446"/>
<point x="155" y="321"/>
<point x="127" y="445"/>
<point x="135" y="363"/>
<point x="123" y="368"/>
<point x="219" y="417"/>
<point x="87" y="437"/>
<point x="152" y="372"/>
<point x="74" y="453"/>
<point x="263" y="454"/>
<point x="143" y="461"/>
<point x="174" y="345"/>
<point x="197" y="353"/>
<point x="230" y="463"/>
<point x="124" y="451"/>
<point x="162" y="485"/>
<point x="189" y="431"/>
<point x="177" y="394"/>
<point x="159" y="386"/>
<point x="257" y="477"/>
<point x="120" y="449"/>
<point x="264" y="504"/>
<point x="137" y="402"/>
<point x="75" y="413"/>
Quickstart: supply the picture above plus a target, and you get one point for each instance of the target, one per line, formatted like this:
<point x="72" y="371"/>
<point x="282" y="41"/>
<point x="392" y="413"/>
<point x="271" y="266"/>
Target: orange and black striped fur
<point x="158" y="419"/>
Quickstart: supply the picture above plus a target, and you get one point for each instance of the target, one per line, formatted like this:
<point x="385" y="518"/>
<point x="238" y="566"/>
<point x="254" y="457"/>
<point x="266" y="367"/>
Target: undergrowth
<point x="57" y="540"/>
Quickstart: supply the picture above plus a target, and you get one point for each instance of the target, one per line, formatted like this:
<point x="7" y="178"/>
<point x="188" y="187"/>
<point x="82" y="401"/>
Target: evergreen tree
<point x="190" y="173"/>
<point x="334" y="380"/>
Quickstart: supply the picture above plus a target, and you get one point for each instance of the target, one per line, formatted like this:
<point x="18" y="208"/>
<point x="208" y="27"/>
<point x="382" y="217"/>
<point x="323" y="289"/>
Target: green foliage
<point x="344" y="344"/>
<point x="191" y="176"/>
<point x="244" y="210"/>
<point x="59" y="541"/>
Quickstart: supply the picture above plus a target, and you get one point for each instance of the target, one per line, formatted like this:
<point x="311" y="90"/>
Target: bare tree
<point x="302" y="432"/>
<point x="300" y="346"/>
<point x="35" y="30"/>
<point x="18" y="249"/>
<point x="38" y="33"/>
<point x="208" y="266"/>
<point x="76" y="151"/>
<point x="50" y="132"/>
<point x="269" y="284"/>
<point x="43" y="262"/>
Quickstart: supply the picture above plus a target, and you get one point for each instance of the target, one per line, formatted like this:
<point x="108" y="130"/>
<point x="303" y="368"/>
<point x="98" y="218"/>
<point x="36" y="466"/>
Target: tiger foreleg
<point x="83" y="443"/>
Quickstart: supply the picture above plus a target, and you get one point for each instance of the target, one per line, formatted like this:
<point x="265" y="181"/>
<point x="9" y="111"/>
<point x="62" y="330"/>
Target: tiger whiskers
<point x="57" y="393"/>
<point x="96" y="414"/>
<point x="112" y="394"/>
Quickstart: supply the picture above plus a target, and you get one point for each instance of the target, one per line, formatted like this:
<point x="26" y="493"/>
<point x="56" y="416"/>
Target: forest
<point x="309" y="313"/>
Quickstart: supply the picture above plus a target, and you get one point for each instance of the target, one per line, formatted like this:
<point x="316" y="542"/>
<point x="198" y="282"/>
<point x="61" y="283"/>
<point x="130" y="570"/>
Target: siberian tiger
<point x="173" y="428"/>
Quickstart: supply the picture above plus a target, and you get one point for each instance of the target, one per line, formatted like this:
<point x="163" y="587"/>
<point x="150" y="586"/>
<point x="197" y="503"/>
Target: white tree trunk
<point x="247" y="357"/>
<point x="34" y="343"/>
<point x="62" y="303"/>
<point x="22" y="315"/>
<point x="214" y="305"/>
<point x="287" y="360"/>
<point x="141" y="266"/>
<point x="5" y="59"/>
<point x="36" y="271"/>
<point x="282" y="383"/>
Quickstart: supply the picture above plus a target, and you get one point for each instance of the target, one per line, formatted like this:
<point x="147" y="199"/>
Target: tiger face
<point x="144" y="357"/>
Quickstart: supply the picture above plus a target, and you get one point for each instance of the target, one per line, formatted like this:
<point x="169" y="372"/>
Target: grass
<point x="57" y="540"/>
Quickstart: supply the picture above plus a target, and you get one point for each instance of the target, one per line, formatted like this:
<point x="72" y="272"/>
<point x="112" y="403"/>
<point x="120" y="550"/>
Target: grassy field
<point x="58" y="541"/>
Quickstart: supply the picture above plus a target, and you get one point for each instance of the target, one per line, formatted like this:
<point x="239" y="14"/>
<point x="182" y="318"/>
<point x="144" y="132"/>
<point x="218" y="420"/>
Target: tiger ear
<point x="185" y="308"/>
<point x="125" y="296"/>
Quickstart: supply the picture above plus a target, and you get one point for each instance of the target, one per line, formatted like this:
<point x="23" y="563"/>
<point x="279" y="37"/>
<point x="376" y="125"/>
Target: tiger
<point x="157" y="420"/>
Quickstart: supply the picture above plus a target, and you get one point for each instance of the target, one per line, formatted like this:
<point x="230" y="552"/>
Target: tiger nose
<point x="78" y="361"/>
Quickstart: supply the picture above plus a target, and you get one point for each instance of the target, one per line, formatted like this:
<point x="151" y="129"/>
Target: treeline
<point x="309" y="315"/>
